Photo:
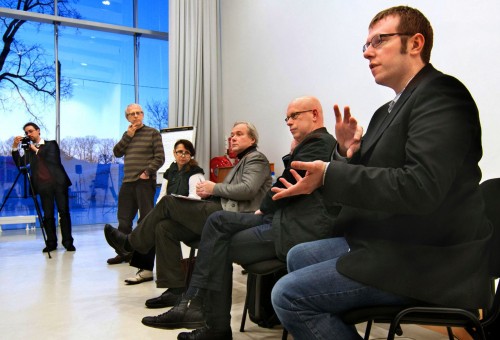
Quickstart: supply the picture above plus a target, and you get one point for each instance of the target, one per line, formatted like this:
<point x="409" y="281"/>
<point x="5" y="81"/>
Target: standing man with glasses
<point x="413" y="221"/>
<point x="142" y="148"/>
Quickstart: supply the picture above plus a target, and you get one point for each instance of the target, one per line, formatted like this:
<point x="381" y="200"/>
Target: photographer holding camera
<point x="50" y="181"/>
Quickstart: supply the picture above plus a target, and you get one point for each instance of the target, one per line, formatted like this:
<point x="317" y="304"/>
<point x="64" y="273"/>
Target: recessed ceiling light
<point x="83" y="64"/>
<point x="106" y="2"/>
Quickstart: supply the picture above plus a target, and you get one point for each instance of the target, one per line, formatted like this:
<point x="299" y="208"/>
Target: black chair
<point x="189" y="262"/>
<point x="255" y="272"/>
<point x="442" y="316"/>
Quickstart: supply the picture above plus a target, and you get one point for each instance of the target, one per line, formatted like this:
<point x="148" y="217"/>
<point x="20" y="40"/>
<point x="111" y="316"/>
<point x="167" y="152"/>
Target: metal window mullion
<point x="136" y="66"/>
<point x="135" y="14"/>
<point x="78" y="23"/>
<point x="58" y="83"/>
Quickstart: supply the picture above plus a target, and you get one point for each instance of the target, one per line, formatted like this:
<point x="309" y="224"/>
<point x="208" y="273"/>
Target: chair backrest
<point x="491" y="194"/>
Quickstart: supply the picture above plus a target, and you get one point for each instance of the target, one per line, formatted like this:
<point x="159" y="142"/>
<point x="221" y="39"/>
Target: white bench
<point x="30" y="219"/>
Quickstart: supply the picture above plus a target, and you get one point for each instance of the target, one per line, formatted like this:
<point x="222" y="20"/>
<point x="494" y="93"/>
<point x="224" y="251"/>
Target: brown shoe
<point x="116" y="260"/>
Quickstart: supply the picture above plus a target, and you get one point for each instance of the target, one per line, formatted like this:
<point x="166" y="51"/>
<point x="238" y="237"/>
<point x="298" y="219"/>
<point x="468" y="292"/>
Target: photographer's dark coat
<point x="50" y="155"/>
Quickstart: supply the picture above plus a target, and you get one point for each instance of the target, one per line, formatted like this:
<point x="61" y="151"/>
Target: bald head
<point x="304" y="115"/>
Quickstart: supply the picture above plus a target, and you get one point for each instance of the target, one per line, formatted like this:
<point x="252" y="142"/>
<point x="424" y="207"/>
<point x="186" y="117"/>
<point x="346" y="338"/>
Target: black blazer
<point x="51" y="154"/>
<point x="302" y="218"/>
<point x="413" y="214"/>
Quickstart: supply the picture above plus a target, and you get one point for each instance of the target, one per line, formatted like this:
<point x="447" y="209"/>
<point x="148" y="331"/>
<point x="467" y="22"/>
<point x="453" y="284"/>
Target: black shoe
<point x="186" y="314"/>
<point x="116" y="239"/>
<point x="167" y="299"/>
<point x="70" y="248"/>
<point x="116" y="260"/>
<point x="206" y="333"/>
<point x="49" y="248"/>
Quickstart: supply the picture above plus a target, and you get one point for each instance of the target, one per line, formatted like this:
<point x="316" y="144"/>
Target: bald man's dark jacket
<point x="302" y="218"/>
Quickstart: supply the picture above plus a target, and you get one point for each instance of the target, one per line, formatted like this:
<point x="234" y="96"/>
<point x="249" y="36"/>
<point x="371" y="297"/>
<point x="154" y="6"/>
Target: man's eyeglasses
<point x="378" y="39"/>
<point x="294" y="115"/>
<point x="137" y="113"/>
<point x="183" y="153"/>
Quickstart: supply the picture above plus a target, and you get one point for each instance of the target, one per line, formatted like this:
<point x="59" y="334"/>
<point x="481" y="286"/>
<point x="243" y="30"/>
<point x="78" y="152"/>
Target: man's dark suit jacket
<point x="413" y="214"/>
<point x="51" y="154"/>
<point x="302" y="218"/>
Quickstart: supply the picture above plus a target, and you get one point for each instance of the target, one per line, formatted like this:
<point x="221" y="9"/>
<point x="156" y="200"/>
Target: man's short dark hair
<point x="411" y="21"/>
<point x="36" y="127"/>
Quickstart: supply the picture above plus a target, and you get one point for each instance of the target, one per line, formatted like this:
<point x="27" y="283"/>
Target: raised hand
<point x="312" y="180"/>
<point x="347" y="132"/>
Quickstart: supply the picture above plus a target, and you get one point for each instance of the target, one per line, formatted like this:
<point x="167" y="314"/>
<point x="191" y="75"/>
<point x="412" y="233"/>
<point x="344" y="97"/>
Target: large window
<point x="153" y="57"/>
<point x="105" y="62"/>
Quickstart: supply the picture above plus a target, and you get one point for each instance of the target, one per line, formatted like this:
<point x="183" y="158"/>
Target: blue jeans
<point x="310" y="299"/>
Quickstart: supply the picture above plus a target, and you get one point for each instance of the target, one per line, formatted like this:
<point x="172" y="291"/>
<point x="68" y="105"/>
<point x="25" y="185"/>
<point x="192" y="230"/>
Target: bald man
<point x="247" y="238"/>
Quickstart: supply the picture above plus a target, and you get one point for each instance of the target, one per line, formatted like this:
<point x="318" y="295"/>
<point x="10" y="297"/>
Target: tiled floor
<point x="78" y="296"/>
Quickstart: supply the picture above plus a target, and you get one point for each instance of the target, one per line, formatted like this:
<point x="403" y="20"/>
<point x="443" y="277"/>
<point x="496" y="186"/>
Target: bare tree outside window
<point x="26" y="75"/>
<point x="89" y="149"/>
<point x="157" y="114"/>
<point x="105" y="150"/>
<point x="6" y="147"/>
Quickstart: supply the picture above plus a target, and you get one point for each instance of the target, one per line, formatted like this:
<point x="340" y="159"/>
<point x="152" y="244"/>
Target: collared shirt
<point x="394" y="101"/>
<point x="40" y="142"/>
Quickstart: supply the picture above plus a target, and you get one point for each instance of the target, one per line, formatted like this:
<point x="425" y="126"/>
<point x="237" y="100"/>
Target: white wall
<point x="275" y="50"/>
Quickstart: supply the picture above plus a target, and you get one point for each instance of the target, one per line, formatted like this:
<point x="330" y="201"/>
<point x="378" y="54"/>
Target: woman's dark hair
<point x="189" y="147"/>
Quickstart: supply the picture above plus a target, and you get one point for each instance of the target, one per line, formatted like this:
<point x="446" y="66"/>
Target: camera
<point x="25" y="143"/>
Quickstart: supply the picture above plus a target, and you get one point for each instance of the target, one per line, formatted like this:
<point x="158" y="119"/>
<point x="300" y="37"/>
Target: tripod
<point x="27" y="179"/>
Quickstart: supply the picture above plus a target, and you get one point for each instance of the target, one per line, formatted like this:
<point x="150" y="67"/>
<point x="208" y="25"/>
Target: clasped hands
<point x="348" y="134"/>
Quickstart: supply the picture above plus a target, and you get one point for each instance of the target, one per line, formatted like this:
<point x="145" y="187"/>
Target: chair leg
<point x="250" y="283"/>
<point x="368" y="329"/>
<point x="450" y="333"/>
<point x="190" y="267"/>
<point x="394" y="329"/>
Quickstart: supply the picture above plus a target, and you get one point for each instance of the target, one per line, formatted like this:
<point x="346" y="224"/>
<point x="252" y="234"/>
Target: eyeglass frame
<point x="294" y="115"/>
<point x="380" y="37"/>
<point x="135" y="113"/>
<point x="182" y="153"/>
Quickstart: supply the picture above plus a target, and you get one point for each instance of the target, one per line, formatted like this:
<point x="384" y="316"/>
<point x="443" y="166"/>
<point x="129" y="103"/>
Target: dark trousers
<point x="48" y="194"/>
<point x="133" y="197"/>
<point x="229" y="237"/>
<point x="169" y="273"/>
<point x="181" y="220"/>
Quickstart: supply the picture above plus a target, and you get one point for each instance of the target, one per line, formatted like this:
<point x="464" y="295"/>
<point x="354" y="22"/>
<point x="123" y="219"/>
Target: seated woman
<point x="180" y="179"/>
<point x="184" y="171"/>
